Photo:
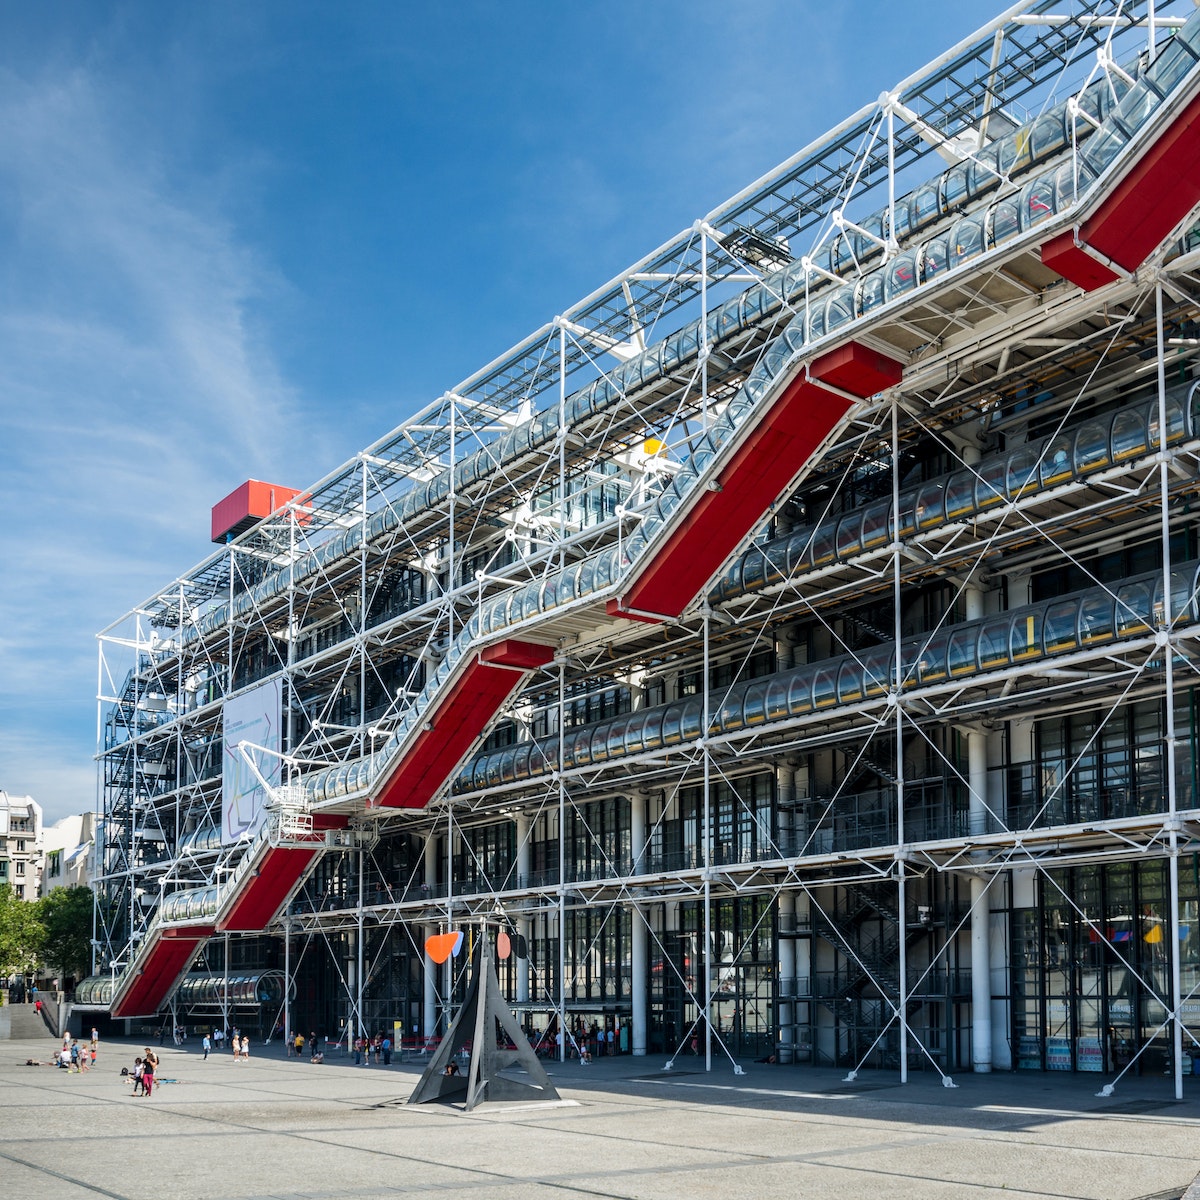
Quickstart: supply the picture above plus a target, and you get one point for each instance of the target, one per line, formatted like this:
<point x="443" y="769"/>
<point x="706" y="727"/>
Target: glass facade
<point x="1091" y="968"/>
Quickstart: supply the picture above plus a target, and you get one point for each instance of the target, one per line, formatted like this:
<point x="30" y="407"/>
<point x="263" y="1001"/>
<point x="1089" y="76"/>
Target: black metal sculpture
<point x="475" y="1032"/>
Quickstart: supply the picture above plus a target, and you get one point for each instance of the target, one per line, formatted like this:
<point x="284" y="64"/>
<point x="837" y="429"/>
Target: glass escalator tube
<point x="1003" y="639"/>
<point x="930" y="201"/>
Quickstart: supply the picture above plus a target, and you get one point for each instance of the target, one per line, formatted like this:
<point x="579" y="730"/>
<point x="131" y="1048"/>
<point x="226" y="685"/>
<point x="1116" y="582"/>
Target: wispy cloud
<point x="137" y="385"/>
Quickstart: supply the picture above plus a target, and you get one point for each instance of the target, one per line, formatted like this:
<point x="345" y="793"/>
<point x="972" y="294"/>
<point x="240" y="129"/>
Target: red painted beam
<point x="263" y="891"/>
<point x="463" y="714"/>
<point x="1065" y="257"/>
<point x="170" y="956"/>
<point x="785" y="438"/>
<point x="1138" y="215"/>
<point x="1161" y="188"/>
<point x="857" y="369"/>
<point x="524" y="655"/>
<point x="265" y="888"/>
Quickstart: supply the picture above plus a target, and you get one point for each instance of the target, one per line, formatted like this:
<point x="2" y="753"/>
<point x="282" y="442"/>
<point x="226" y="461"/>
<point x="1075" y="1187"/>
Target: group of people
<point x="76" y="1057"/>
<point x="145" y="1071"/>
<point x="295" y="1043"/>
<point x="378" y="1048"/>
<point x="583" y="1042"/>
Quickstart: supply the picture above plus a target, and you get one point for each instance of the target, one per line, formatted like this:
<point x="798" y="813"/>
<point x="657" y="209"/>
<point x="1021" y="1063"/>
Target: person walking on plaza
<point x="207" y="1044"/>
<point x="299" y="1044"/>
<point x="149" y="1070"/>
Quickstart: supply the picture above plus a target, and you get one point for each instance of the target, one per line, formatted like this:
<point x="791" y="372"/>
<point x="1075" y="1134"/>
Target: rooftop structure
<point x="793" y="639"/>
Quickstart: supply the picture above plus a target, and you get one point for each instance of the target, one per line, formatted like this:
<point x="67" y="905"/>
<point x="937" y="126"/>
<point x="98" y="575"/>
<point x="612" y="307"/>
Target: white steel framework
<point x="849" y="799"/>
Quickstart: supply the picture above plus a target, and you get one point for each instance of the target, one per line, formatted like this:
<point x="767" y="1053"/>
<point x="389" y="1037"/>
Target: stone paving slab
<point x="286" y="1129"/>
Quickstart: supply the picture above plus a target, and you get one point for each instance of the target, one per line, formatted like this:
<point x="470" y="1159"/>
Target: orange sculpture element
<point x="442" y="945"/>
<point x="503" y="945"/>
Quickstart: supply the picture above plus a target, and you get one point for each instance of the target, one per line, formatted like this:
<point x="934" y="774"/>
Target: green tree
<point x="66" y="917"/>
<point x="21" y="934"/>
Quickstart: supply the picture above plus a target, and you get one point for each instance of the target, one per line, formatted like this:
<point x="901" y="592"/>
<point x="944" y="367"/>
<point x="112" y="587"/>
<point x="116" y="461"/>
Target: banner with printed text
<point x="253" y="717"/>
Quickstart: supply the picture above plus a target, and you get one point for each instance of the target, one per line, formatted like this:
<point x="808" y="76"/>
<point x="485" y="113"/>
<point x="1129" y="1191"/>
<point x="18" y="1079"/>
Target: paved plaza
<point x="278" y="1127"/>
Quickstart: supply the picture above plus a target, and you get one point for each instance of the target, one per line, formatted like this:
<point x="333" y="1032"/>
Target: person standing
<point x="149" y="1071"/>
<point x="299" y="1044"/>
<point x="207" y="1044"/>
<point x="245" y="1047"/>
<point x="387" y="1050"/>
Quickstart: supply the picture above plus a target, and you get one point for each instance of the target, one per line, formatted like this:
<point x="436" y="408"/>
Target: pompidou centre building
<point x="793" y="645"/>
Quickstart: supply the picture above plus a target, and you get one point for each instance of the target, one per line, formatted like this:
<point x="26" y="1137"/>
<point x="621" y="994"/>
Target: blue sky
<point x="248" y="239"/>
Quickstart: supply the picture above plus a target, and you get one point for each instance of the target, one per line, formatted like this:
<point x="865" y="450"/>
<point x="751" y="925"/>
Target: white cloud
<point x="136" y="388"/>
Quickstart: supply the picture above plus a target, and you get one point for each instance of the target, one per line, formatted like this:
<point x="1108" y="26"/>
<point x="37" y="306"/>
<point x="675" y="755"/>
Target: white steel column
<point x="706" y="800"/>
<point x="898" y="685"/>
<point x="430" y="1006"/>
<point x="359" y="1024"/>
<point x="225" y="996"/>
<point x="981" y="977"/>
<point x="448" y="966"/>
<point x="562" y="852"/>
<point x="524" y="864"/>
<point x="287" y="984"/>
<point x="640" y="941"/>
<point x="787" y="978"/>
<point x="1167" y="642"/>
<point x="429" y="1013"/>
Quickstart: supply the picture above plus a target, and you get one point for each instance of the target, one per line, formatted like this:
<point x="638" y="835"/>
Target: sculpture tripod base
<point x="474" y="1029"/>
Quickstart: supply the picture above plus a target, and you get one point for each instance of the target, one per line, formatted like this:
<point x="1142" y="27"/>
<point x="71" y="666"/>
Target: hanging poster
<point x="252" y="717"/>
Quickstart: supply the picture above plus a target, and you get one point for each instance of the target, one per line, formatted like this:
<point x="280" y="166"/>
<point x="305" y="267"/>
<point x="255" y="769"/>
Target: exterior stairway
<point x="21" y="1022"/>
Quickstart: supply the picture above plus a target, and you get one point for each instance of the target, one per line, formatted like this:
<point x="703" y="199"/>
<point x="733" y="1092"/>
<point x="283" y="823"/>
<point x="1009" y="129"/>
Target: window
<point x="54" y="864"/>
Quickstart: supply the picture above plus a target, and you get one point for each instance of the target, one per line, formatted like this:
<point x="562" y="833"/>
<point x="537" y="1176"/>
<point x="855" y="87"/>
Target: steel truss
<point x="355" y="594"/>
